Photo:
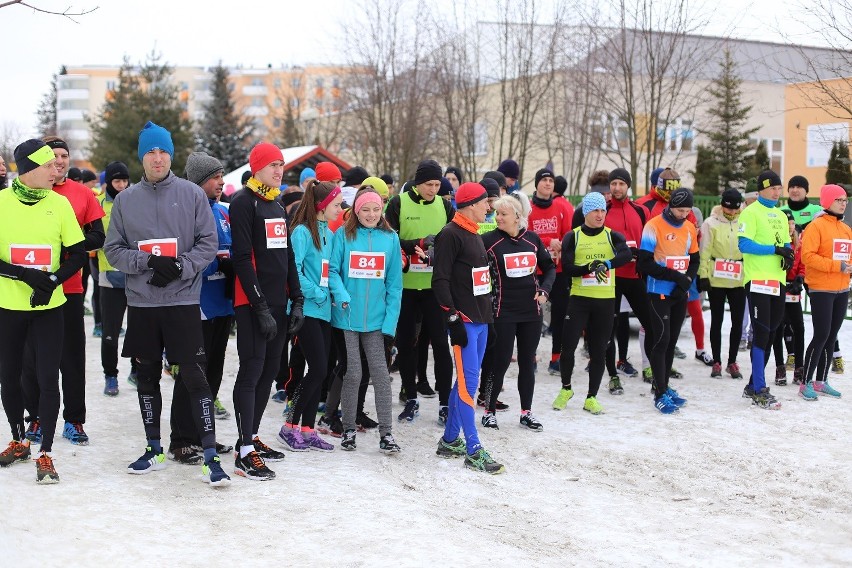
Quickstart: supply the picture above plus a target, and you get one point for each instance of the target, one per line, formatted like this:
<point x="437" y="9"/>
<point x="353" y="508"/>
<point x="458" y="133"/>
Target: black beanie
<point x="387" y="178"/>
<point x="732" y="198"/>
<point x="491" y="187"/>
<point x="427" y="170"/>
<point x="75" y="174"/>
<point x="291" y="198"/>
<point x="498" y="177"/>
<point x="799" y="181"/>
<point x="87" y="176"/>
<point x="355" y="176"/>
<point x="681" y="197"/>
<point x="116" y="170"/>
<point x="32" y="154"/>
<point x="543" y="173"/>
<point x="621" y="174"/>
<point x="245" y="177"/>
<point x="561" y="185"/>
<point x="767" y="179"/>
<point x="456" y="172"/>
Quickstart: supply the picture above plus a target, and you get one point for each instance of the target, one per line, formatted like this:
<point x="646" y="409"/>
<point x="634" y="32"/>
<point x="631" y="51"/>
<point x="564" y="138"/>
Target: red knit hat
<point x="469" y="193"/>
<point x="262" y="155"/>
<point x="326" y="171"/>
<point x="829" y="193"/>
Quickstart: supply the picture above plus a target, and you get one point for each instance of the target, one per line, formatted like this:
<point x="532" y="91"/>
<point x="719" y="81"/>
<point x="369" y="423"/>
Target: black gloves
<point x="43" y="291"/>
<point x="796" y="286"/>
<point x="787" y="255"/>
<point x="458" y="333"/>
<point x="679" y="293"/>
<point x="166" y="269"/>
<point x="599" y="269"/>
<point x="682" y="281"/>
<point x="266" y="323"/>
<point x="427" y="242"/>
<point x="38" y="279"/>
<point x="226" y="266"/>
<point x="704" y="285"/>
<point x="297" y="316"/>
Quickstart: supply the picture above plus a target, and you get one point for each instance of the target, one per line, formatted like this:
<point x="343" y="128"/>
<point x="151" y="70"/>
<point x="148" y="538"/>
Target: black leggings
<point x="792" y="334"/>
<point x="736" y="299"/>
<point x="528" y="334"/>
<point x="766" y="313"/>
<point x="46" y="330"/>
<point x="635" y="290"/>
<point x="595" y="316"/>
<point x="667" y="317"/>
<point x="113" y="305"/>
<point x="416" y="304"/>
<point x="558" y="309"/>
<point x="315" y="338"/>
<point x="827" y="312"/>
<point x="96" y="294"/>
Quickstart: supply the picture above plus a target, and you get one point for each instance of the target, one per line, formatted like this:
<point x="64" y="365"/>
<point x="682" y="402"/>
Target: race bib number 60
<point x="159" y="247"/>
<point x="276" y="233"/>
<point x="39" y="257"/>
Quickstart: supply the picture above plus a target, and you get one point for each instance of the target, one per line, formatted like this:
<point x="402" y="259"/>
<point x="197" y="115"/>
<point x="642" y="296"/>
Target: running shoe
<point x="388" y="445"/>
<point x="765" y="400"/>
<point x="443" y="414"/>
<point x="186" y="455"/>
<point x="489" y="420"/>
<point x="562" y="398"/>
<point x="648" y="375"/>
<point x="822" y="387"/>
<point x="454" y="449"/>
<point x="110" y="385"/>
<point x="75" y="433"/>
<point x="734" y="370"/>
<point x="280" y="396"/>
<point x="716" y="372"/>
<point x="675" y="374"/>
<point x="553" y="368"/>
<point x="592" y="405"/>
<point x="499" y="406"/>
<point x="678" y="353"/>
<point x="402" y="396"/>
<point x="529" y="422"/>
<point x="665" y="405"/>
<point x="14" y="453"/>
<point x="291" y="439"/>
<point x="288" y="408"/>
<point x="253" y="467"/>
<point x="316" y="443"/>
<point x="743" y="345"/>
<point x="220" y="412"/>
<point x="482" y="461"/>
<point x="132" y="379"/>
<point x="704" y="357"/>
<point x="798" y="376"/>
<point x="222" y="449"/>
<point x="615" y="387"/>
<point x="325" y="425"/>
<point x="266" y="453"/>
<point x="748" y="391"/>
<point x="148" y="462"/>
<point x="213" y="473"/>
<point x="98" y="330"/>
<point x="424" y="390"/>
<point x="33" y="433"/>
<point x="676" y="399"/>
<point x="625" y="368"/>
<point x="412" y="409"/>
<point x="780" y="375"/>
<point x="791" y="362"/>
<point x="365" y="422"/>
<point x="837" y="366"/>
<point x="348" y="443"/>
<point x="45" y="472"/>
<point x="807" y="392"/>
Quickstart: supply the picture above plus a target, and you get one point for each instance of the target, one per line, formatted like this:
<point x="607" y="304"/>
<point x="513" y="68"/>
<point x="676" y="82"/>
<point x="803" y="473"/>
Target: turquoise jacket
<point x="373" y="301"/>
<point x="309" y="261"/>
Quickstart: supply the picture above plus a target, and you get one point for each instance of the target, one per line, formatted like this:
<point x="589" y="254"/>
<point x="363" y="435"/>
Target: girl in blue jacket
<point x="366" y="281"/>
<point x="311" y="241"/>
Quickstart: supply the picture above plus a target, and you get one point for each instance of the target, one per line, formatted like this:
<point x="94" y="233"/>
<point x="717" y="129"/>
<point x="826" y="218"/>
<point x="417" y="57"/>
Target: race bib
<point x="679" y="263"/>
<point x="418" y="265"/>
<point x="793" y="298"/>
<point x="39" y="257"/>
<point x="159" y="247"/>
<point x="729" y="269"/>
<point x="324" y="274"/>
<point x="591" y="280"/>
<point x="366" y="264"/>
<point x="519" y="264"/>
<point x="842" y="248"/>
<point x="481" y="281"/>
<point x="276" y="233"/>
<point x="768" y="287"/>
<point x="632" y="244"/>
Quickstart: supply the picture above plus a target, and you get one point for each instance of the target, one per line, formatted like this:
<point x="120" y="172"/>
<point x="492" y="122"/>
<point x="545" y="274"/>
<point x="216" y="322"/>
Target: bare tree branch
<point x="68" y="12"/>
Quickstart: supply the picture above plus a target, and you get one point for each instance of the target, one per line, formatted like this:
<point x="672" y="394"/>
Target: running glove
<point x="38" y="279"/>
<point x="297" y="316"/>
<point x="166" y="269"/>
<point x="599" y="269"/>
<point x="795" y="287"/>
<point x="41" y="295"/>
<point x="427" y="242"/>
<point x="458" y="333"/>
<point x="266" y="323"/>
<point x="704" y="285"/>
<point x="787" y="255"/>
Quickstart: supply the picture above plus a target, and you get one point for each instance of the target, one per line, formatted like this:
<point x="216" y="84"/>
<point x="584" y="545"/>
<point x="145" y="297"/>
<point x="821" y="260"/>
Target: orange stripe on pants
<point x="463" y="394"/>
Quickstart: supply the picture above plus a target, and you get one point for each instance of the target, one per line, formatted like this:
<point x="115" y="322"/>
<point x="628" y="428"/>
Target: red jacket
<point x="655" y="205"/>
<point x="552" y="222"/>
<point x="628" y="219"/>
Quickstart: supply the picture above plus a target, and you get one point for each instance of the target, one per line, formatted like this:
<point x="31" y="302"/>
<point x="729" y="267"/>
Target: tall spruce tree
<point x="758" y="161"/>
<point x="727" y="134"/>
<point x="46" y="113"/>
<point x="838" y="170"/>
<point x="222" y="132"/>
<point x="144" y="93"/>
<point x="706" y="172"/>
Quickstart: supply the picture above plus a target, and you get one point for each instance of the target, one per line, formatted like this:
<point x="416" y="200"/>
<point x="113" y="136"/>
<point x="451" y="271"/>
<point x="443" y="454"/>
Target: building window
<point x="276" y="122"/>
<point x="257" y="82"/>
<point x="294" y="102"/>
<point x="319" y="82"/>
<point x="775" y="149"/>
<point x="335" y="82"/>
<point x="296" y="82"/>
<point x="110" y="86"/>
<point x="277" y="83"/>
<point x="609" y="133"/>
<point x="677" y="136"/>
<point x="480" y="138"/>
<point x="257" y="101"/>
<point x="277" y="102"/>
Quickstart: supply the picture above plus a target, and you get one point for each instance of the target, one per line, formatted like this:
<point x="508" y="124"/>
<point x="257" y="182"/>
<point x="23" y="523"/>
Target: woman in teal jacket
<point x="311" y="246"/>
<point x="366" y="281"/>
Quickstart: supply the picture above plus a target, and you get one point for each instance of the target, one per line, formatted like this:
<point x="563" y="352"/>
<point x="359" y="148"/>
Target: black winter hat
<point x="355" y="176"/>
<point x="245" y="177"/>
<point x="427" y="170"/>
<point x="732" y="198"/>
<point x="116" y="170"/>
<point x="387" y="178"/>
<point x="543" y="173"/>
<point x="292" y="197"/>
<point x="32" y="154"/>
<point x="561" y="185"/>
<point x="767" y="179"/>
<point x="75" y="174"/>
<point x="87" y="176"/>
<point x="456" y="172"/>
<point x="681" y="197"/>
<point x="498" y="177"/>
<point x="799" y="181"/>
<point x="491" y="187"/>
<point x="621" y="174"/>
<point x="510" y="169"/>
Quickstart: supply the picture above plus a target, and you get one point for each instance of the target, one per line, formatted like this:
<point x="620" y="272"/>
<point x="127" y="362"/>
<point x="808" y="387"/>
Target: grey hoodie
<point x="172" y="208"/>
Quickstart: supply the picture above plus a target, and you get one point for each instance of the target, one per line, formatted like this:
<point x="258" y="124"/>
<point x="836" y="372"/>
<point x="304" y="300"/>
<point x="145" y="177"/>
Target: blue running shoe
<point x="97" y="331"/>
<point x="412" y="409"/>
<point x="110" y="385"/>
<point x="665" y="405"/>
<point x="33" y="433"/>
<point x="676" y="398"/>
<point x="148" y="462"/>
<point x="553" y="367"/>
<point x="280" y="396"/>
<point x="213" y="473"/>
<point x="132" y="379"/>
<point x="74" y="432"/>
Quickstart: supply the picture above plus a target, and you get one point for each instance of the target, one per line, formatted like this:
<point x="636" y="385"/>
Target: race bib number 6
<point x="159" y="247"/>
<point x="679" y="263"/>
<point x="366" y="264"/>
<point x="519" y="264"/>
<point x="39" y="257"/>
<point x="481" y="281"/>
<point x="276" y="233"/>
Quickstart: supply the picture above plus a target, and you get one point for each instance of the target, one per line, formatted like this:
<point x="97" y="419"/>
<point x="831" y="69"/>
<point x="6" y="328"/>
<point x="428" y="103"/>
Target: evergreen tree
<point x="143" y="94"/>
<point x="838" y="171"/>
<point x="46" y="113"/>
<point x="290" y="132"/>
<point x="222" y="132"/>
<point x="706" y="172"/>
<point x="759" y="161"/>
<point x="728" y="136"/>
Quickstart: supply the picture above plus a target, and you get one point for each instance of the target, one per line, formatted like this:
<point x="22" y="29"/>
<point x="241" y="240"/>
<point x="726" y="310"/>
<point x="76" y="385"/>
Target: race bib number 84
<point x="366" y="264"/>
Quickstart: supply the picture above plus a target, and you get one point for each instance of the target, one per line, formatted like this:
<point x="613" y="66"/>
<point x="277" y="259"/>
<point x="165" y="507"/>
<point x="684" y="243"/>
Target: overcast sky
<point x="251" y="33"/>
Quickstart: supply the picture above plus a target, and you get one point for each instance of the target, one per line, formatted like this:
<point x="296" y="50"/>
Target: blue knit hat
<point x="154" y="137"/>
<point x="306" y="173"/>
<point x="592" y="202"/>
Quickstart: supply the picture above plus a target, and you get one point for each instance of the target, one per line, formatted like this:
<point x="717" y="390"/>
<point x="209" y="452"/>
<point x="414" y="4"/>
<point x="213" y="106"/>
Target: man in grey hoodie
<point x="162" y="236"/>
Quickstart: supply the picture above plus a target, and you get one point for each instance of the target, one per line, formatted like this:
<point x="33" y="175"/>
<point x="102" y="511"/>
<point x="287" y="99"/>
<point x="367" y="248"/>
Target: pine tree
<point x="706" y="172"/>
<point x="290" y="132"/>
<point x="759" y="161"/>
<point x="838" y="171"/>
<point x="728" y="136"/>
<point x="222" y="132"/>
<point x="46" y="113"/>
<point x="143" y="94"/>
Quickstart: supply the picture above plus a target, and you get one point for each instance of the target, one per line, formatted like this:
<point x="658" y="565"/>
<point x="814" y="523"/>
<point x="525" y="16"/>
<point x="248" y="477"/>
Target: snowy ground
<point x="722" y="483"/>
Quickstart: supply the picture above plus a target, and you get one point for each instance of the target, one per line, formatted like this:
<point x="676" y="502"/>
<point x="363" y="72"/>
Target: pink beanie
<point x="829" y="193"/>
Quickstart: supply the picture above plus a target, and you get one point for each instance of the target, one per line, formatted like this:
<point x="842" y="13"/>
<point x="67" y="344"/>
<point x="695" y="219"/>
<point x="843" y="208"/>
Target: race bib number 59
<point x="679" y="263"/>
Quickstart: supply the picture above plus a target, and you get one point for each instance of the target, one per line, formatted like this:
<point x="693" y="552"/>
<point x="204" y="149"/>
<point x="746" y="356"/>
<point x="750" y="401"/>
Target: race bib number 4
<point x="366" y="264"/>
<point x="324" y="274"/>
<point x="768" y="287"/>
<point x="679" y="263"/>
<point x="159" y="247"/>
<point x="418" y="265"/>
<point x="842" y="249"/>
<point x="730" y="269"/>
<point x="519" y="264"/>
<point x="276" y="233"/>
<point x="39" y="257"/>
<point x="481" y="281"/>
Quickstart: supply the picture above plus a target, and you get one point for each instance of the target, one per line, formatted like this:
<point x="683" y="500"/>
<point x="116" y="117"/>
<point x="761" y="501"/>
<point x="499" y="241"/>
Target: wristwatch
<point x="53" y="278"/>
<point x="453" y="318"/>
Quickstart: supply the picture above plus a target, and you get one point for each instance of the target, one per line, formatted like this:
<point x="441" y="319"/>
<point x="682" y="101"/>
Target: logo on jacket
<point x="671" y="237"/>
<point x="548" y="225"/>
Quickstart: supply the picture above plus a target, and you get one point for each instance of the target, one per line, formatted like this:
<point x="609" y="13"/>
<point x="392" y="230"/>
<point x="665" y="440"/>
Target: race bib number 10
<point x="159" y="247"/>
<point x="366" y="264"/>
<point x="39" y="257"/>
<point x="730" y="269"/>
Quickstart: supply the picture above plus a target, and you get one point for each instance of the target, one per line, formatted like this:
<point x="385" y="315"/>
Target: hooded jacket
<point x="719" y="241"/>
<point x="313" y="277"/>
<point x="173" y="208"/>
<point x="822" y="272"/>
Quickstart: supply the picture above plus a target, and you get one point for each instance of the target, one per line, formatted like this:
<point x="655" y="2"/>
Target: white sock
<point x="245" y="450"/>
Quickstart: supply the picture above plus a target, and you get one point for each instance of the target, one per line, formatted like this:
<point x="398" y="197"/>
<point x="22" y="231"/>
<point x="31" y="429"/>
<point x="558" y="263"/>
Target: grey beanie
<point x="200" y="167"/>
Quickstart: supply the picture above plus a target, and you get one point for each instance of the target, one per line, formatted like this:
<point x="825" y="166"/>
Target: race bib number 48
<point x="679" y="263"/>
<point x="159" y="247"/>
<point x="730" y="269"/>
<point x="519" y="264"/>
<point x="39" y="257"/>
<point x="842" y="249"/>
<point x="481" y="281"/>
<point x="276" y="233"/>
<point x="366" y="264"/>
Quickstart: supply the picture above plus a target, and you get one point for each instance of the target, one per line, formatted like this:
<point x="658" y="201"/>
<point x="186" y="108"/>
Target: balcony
<point x="70" y="114"/>
<point x="255" y="111"/>
<point x="77" y="94"/>
<point x="255" y="90"/>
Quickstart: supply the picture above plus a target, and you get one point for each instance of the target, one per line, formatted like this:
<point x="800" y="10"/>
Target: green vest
<point x="486" y="227"/>
<point x="804" y="216"/>
<point x="103" y="264"/>
<point x="586" y="250"/>
<point x="418" y="220"/>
